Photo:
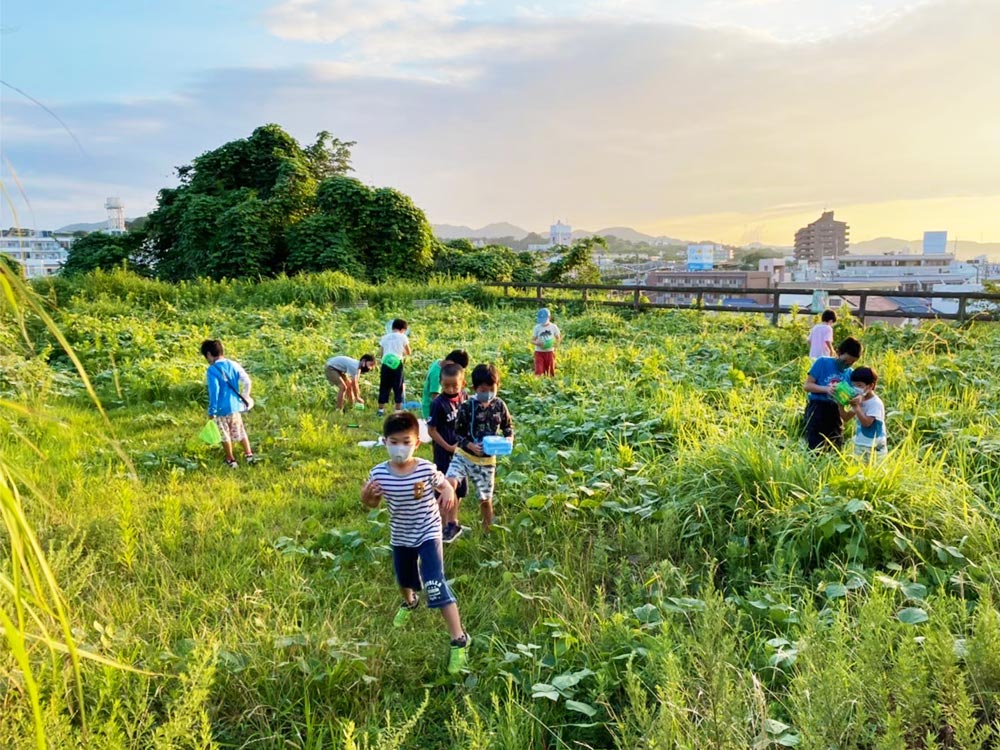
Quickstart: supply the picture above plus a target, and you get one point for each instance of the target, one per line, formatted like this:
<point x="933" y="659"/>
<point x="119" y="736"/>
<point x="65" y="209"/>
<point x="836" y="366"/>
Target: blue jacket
<point x="223" y="399"/>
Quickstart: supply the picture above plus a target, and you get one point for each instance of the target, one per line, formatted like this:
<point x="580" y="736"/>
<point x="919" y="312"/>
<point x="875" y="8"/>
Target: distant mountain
<point x="490" y="231"/>
<point x="82" y="227"/>
<point x="92" y="227"/>
<point x="628" y="234"/>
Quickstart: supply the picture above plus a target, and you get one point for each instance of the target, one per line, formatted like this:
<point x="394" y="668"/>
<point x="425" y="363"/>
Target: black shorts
<point x="823" y="425"/>
<point x="390" y="380"/>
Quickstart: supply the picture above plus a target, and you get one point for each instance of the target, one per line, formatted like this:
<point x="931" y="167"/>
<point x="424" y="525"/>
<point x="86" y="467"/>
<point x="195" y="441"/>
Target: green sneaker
<point x="404" y="613"/>
<point x="458" y="659"/>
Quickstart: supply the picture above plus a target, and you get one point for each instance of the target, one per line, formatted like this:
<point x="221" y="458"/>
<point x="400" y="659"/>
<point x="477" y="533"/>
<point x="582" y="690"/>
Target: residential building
<point x="718" y="286"/>
<point x="824" y="238"/>
<point x="38" y="253"/>
<point x="935" y="243"/>
<point x="911" y="273"/>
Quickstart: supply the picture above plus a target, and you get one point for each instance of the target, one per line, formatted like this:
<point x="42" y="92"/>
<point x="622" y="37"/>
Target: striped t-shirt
<point x="414" y="516"/>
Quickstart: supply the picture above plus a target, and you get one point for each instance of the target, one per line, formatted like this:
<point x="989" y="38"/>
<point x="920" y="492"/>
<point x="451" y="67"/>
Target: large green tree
<point x="263" y="205"/>
<point x="101" y="250"/>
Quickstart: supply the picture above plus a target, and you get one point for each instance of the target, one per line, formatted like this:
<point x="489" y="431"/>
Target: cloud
<point x="602" y="124"/>
<point x="332" y="20"/>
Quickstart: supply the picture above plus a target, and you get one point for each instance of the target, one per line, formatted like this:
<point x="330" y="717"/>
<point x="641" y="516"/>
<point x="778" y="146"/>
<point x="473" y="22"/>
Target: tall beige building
<point x="824" y="238"/>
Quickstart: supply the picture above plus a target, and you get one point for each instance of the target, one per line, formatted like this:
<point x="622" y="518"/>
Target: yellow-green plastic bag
<point x="210" y="433"/>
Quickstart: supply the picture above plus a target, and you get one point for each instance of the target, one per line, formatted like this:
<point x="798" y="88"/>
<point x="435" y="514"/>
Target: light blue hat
<point x="543" y="316"/>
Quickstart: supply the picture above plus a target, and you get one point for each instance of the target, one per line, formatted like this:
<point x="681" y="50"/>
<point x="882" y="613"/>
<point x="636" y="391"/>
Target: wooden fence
<point x="633" y="297"/>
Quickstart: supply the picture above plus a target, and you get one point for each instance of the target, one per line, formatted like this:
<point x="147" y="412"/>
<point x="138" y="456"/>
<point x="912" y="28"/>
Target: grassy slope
<point x="673" y="561"/>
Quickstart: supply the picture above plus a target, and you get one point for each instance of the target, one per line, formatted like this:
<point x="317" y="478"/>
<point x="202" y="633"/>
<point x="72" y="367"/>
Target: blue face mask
<point x="484" y="397"/>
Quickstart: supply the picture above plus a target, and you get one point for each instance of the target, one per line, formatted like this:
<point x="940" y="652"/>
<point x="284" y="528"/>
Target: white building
<point x="935" y="243"/>
<point x="905" y="271"/>
<point x="561" y="234"/>
<point x="39" y="254"/>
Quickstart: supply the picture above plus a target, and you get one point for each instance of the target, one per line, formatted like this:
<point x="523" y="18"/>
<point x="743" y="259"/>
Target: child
<point x="478" y="417"/>
<point x="441" y="428"/>
<point x="407" y="484"/>
<point x="820" y="338"/>
<point x="228" y="395"/>
<point x="432" y="383"/>
<point x="395" y="346"/>
<point x="545" y="337"/>
<point x="868" y="409"/>
<point x="824" y="424"/>
<point x="344" y="372"/>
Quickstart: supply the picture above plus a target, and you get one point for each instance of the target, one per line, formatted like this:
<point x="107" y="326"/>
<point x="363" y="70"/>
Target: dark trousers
<point x="823" y="425"/>
<point x="390" y="380"/>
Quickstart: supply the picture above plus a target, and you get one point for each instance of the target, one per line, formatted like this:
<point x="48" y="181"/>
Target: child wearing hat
<point x="545" y="337"/>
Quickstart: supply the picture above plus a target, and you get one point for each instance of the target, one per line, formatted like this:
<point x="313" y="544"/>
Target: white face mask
<point x="399" y="453"/>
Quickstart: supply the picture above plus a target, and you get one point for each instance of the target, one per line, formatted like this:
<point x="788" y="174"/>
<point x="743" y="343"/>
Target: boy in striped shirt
<point x="408" y="483"/>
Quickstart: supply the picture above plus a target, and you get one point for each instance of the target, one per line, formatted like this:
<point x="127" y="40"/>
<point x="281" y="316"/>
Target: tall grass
<point x="671" y="568"/>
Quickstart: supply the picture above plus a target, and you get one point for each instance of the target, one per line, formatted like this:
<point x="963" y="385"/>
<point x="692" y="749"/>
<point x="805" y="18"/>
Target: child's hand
<point x="452" y="448"/>
<point x="476" y="448"/>
<point x="371" y="494"/>
<point x="446" y="502"/>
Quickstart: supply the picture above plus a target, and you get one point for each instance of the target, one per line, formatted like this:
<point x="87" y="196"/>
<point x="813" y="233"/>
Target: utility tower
<point x="116" y="216"/>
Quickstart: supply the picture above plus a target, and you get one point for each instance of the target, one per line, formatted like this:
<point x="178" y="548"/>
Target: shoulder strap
<point x="233" y="388"/>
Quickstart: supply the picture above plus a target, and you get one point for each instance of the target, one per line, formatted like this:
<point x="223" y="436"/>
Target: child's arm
<point x="446" y="496"/>
<point x="214" y="389"/>
<point x="407" y="351"/>
<point x="352" y="389"/>
<point x="244" y="380"/>
<point x="436" y="437"/>
<point x="811" y="386"/>
<point x="506" y="422"/>
<point x="830" y="350"/>
<point x="866" y="420"/>
<point x="371" y="493"/>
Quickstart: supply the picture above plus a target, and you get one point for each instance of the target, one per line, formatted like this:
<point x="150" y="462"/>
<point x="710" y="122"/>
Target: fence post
<point x="862" y="306"/>
<point x="635" y="299"/>
<point x="538" y="294"/>
<point x="585" y="290"/>
<point x="776" y="309"/>
<point x="506" y="290"/>
<point x="961" y="309"/>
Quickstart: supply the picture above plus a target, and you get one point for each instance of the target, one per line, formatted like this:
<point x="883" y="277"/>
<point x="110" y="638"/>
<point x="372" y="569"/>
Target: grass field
<point x="672" y="569"/>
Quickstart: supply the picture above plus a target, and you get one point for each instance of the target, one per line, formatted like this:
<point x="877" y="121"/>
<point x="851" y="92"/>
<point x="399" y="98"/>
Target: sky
<point x="728" y="120"/>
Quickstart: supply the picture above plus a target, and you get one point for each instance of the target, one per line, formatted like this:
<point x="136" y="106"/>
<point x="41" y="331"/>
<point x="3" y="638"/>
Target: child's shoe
<point x="452" y="531"/>
<point x="380" y="413"/>
<point x="250" y="458"/>
<point x="404" y="612"/>
<point x="232" y="463"/>
<point x="458" y="659"/>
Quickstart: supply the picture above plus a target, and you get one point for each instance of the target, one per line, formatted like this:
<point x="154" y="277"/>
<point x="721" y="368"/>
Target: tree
<point x="576" y="263"/>
<point x="107" y="251"/>
<point x="319" y="243"/>
<point x="262" y="205"/>
<point x="329" y="156"/>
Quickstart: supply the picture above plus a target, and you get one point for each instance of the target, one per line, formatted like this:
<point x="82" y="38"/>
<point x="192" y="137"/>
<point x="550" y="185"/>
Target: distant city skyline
<point x="737" y="121"/>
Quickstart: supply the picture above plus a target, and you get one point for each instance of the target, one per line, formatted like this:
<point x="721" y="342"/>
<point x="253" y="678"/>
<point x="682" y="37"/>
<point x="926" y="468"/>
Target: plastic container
<point x="844" y="393"/>
<point x="494" y="445"/>
<point x="359" y="405"/>
<point x="411" y="404"/>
